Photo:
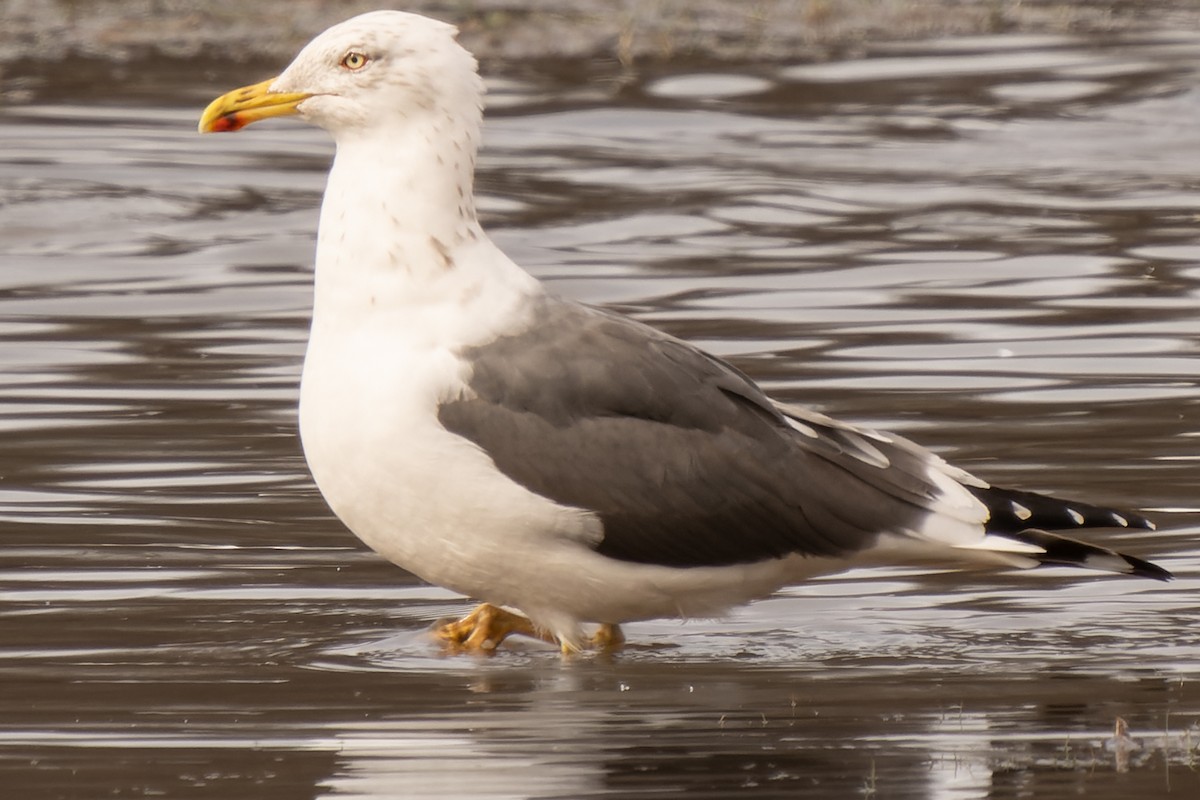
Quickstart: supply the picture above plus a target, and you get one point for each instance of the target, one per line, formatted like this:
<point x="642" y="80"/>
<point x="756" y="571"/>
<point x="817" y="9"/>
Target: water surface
<point x="989" y="245"/>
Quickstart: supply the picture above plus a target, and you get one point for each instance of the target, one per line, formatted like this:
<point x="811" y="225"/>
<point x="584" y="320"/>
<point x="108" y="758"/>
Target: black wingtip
<point x="1013" y="510"/>
<point x="1059" y="550"/>
<point x="1145" y="569"/>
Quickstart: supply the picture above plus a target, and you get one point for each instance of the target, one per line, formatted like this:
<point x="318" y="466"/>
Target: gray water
<point x="990" y="245"/>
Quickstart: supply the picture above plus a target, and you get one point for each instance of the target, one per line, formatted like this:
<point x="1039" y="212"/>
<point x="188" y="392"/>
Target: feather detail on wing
<point x="687" y="463"/>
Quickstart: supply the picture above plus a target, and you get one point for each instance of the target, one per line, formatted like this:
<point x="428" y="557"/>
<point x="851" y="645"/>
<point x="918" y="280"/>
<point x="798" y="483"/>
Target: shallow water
<point x="989" y="245"/>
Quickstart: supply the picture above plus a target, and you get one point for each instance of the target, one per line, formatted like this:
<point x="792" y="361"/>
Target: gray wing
<point x="685" y="461"/>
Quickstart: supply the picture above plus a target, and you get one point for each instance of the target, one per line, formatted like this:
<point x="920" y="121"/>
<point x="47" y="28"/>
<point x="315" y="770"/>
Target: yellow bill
<point x="237" y="109"/>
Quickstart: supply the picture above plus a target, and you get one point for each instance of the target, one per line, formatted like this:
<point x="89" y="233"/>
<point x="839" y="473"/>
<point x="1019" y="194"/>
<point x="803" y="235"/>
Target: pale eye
<point x="354" y="61"/>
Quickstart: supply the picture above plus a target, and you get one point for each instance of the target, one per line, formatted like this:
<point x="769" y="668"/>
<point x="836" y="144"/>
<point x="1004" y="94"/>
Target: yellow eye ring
<point x="354" y="61"/>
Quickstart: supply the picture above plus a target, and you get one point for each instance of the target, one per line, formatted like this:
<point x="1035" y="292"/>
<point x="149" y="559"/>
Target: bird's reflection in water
<point x="643" y="729"/>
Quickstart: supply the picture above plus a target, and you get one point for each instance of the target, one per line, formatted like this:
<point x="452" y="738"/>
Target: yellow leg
<point x="485" y="628"/>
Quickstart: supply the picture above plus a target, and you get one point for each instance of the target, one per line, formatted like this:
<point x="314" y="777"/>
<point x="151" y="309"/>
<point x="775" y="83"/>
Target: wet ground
<point x="510" y="34"/>
<point x="987" y="244"/>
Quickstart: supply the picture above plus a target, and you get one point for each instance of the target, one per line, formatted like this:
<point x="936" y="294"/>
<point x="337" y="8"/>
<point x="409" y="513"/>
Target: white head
<point x="403" y="101"/>
<point x="377" y="67"/>
<point x="378" y="71"/>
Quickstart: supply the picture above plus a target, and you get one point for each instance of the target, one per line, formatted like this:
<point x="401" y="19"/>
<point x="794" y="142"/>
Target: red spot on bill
<point x="228" y="123"/>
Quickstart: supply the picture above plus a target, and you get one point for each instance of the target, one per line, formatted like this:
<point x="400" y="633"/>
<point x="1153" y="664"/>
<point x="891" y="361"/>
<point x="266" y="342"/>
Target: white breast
<point x="434" y="503"/>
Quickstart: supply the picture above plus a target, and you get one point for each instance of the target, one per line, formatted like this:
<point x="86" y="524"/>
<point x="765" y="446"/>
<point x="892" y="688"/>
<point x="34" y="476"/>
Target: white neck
<point x="419" y="179"/>
<point x="399" y="235"/>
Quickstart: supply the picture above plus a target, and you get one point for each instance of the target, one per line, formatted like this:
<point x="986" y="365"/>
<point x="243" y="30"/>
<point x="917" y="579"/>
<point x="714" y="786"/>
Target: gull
<point x="568" y="467"/>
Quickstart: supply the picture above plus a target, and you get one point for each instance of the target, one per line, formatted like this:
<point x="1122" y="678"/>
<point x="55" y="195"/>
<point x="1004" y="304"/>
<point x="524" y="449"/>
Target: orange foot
<point x="485" y="628"/>
<point x="608" y="638"/>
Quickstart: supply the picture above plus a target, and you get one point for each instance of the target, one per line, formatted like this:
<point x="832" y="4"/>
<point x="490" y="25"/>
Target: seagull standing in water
<point x="569" y="467"/>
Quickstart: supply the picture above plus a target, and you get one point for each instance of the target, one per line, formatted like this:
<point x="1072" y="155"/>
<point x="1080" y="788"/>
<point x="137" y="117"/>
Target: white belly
<point x="420" y="496"/>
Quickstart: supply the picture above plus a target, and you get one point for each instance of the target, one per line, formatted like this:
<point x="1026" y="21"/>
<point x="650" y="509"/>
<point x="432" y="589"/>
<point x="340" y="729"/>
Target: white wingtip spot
<point x="1021" y="511"/>
<point x="1075" y="515"/>
<point x="1117" y="518"/>
<point x="1106" y="562"/>
<point x="1001" y="544"/>
<point x="800" y="427"/>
